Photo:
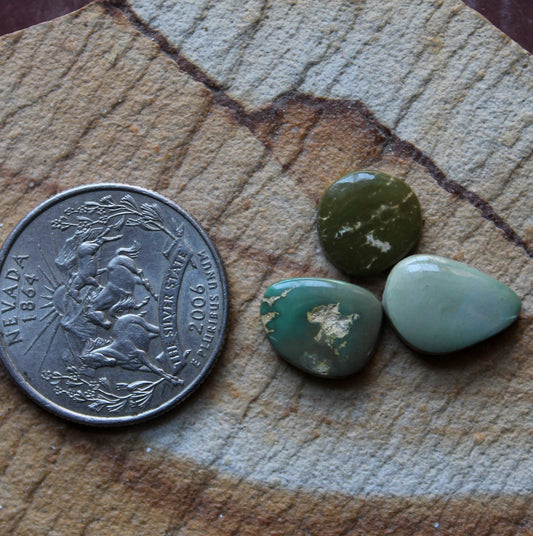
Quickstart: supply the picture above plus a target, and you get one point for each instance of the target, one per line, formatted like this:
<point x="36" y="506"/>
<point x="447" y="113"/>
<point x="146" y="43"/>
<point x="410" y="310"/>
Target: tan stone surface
<point x="409" y="446"/>
<point x="433" y="71"/>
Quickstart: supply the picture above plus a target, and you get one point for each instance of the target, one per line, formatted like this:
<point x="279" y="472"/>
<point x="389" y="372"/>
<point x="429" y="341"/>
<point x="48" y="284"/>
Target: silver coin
<point x="114" y="304"/>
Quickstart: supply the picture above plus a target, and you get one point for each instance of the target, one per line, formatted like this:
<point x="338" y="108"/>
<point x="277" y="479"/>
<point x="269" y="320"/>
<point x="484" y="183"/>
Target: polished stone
<point x="367" y="221"/>
<point x="325" y="327"/>
<point x="438" y="306"/>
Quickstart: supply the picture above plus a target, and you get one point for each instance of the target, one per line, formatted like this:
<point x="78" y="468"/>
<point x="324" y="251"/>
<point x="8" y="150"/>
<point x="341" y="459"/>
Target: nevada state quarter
<point x="113" y="307"/>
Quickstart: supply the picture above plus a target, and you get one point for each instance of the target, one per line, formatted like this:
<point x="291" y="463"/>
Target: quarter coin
<point x="114" y="304"/>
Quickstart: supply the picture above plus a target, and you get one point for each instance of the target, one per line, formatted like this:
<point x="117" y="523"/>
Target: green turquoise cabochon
<point x="367" y="221"/>
<point x="325" y="327"/>
<point x="439" y="306"/>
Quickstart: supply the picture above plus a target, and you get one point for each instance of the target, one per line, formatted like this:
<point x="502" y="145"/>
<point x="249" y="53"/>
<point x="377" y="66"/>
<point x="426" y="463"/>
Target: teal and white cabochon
<point x="325" y="327"/>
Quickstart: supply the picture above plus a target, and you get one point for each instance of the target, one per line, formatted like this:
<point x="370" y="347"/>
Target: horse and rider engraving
<point x="99" y="312"/>
<point x="118" y="294"/>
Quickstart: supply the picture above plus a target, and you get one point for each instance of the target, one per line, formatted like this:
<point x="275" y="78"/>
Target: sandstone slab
<point x="242" y="113"/>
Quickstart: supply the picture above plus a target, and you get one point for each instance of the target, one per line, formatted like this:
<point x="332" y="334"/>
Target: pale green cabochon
<point x="438" y="305"/>
<point x="325" y="327"/>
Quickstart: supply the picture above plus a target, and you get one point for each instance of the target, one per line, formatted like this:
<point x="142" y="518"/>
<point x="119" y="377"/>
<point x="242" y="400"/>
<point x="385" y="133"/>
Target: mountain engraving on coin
<point x="113" y="304"/>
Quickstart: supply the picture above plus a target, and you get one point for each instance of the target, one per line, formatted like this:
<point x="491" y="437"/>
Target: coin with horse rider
<point x="114" y="304"/>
